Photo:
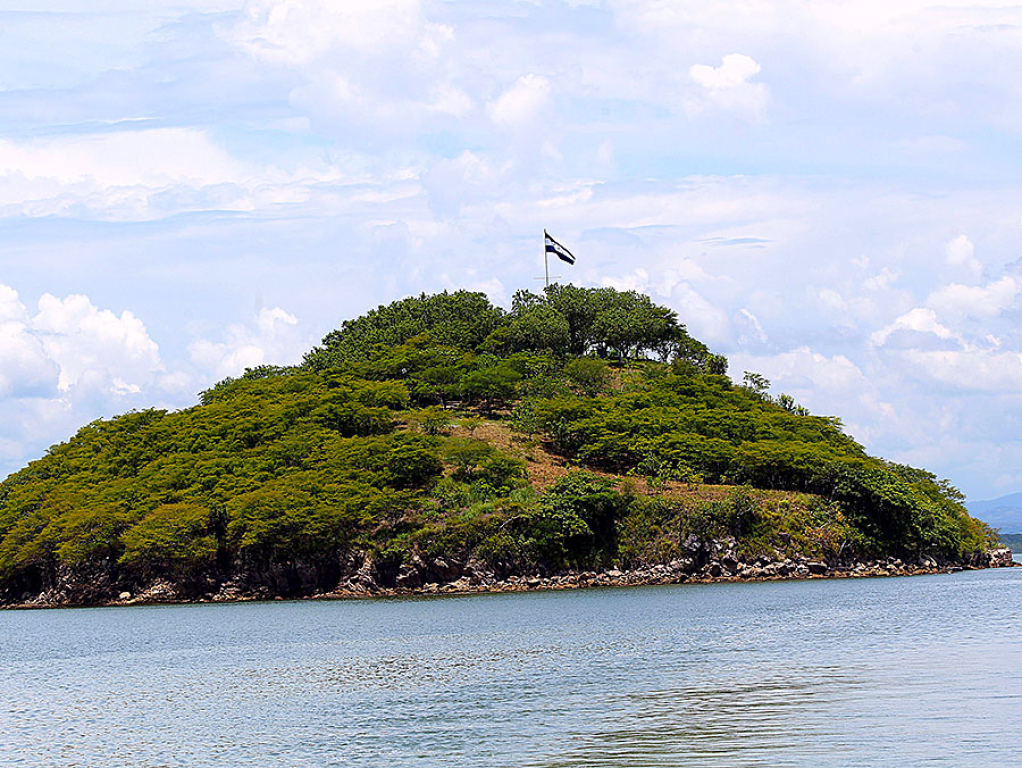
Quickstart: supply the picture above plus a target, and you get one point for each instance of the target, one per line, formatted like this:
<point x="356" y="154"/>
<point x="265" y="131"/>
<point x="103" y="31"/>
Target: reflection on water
<point x="880" y="672"/>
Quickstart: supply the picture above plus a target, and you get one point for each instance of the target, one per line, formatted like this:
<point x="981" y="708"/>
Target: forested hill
<point x="440" y="437"/>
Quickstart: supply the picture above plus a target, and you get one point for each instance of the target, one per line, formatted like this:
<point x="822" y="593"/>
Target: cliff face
<point x="361" y="575"/>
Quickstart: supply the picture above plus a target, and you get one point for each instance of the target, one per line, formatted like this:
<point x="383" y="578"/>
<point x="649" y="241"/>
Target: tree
<point x="462" y="319"/>
<point x="540" y="328"/>
<point x="490" y="386"/>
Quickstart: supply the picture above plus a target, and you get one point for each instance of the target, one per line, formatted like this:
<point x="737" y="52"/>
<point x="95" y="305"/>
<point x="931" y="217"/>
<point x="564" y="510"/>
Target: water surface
<point x="922" y="671"/>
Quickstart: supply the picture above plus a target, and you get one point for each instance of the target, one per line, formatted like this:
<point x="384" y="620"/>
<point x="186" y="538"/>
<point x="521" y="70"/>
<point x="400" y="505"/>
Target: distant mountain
<point x="1013" y="541"/>
<point x="1004" y="513"/>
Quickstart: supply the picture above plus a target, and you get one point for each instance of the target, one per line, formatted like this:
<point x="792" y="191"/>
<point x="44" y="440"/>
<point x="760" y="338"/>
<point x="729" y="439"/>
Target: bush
<point x="588" y="374"/>
<point x="174" y="535"/>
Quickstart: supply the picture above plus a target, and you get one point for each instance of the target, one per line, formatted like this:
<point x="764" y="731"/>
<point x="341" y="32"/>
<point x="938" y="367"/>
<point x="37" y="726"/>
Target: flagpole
<point x="546" y="261"/>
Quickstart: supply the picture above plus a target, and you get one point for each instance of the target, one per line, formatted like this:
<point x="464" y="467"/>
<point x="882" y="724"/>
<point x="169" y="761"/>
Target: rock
<point x="444" y="570"/>
<point x="124" y="596"/>
<point x="777" y="568"/>
<point x="729" y="563"/>
<point x="817" y="567"/>
<point x="408" y="577"/>
<point x="682" y="565"/>
<point x="366" y="575"/>
<point x="461" y="585"/>
<point x="1000" y="558"/>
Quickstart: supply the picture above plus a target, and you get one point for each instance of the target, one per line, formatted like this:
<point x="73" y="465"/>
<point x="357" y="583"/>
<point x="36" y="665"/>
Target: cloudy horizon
<point x="827" y="194"/>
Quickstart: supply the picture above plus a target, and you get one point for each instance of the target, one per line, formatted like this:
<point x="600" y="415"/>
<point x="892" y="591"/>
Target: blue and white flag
<point x="554" y="247"/>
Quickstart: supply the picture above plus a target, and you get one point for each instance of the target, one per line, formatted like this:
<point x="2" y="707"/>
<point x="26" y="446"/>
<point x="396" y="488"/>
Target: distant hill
<point x="1012" y="540"/>
<point x="1004" y="513"/>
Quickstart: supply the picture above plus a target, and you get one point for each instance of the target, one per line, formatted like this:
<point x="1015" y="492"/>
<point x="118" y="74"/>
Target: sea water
<point x="920" y="671"/>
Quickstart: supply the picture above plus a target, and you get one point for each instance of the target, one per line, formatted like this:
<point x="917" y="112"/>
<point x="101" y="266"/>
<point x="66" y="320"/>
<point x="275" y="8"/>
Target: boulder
<point x="1000" y="558"/>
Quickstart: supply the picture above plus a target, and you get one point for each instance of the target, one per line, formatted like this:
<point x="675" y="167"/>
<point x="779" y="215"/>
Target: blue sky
<point x="828" y="193"/>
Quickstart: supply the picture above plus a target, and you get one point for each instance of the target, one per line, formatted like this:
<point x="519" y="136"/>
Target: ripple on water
<point x="879" y="672"/>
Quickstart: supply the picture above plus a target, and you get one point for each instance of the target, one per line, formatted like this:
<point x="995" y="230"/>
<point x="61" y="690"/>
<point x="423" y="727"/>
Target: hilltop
<point x="440" y="440"/>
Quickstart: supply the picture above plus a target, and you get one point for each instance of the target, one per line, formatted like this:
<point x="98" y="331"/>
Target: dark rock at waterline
<point x="359" y="574"/>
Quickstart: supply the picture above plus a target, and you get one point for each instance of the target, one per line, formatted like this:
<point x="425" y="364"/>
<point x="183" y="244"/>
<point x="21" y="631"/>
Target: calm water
<point x="881" y="672"/>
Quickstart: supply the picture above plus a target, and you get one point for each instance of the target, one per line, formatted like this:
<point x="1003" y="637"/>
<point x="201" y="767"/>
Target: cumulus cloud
<point x="95" y="345"/>
<point x="827" y="384"/>
<point x="971" y="369"/>
<point x="272" y="338"/>
<point x="988" y="300"/>
<point x="960" y="252"/>
<point x="881" y="281"/>
<point x="919" y="320"/>
<point x="521" y="102"/>
<point x="25" y="368"/>
<point x="728" y="85"/>
<point x="373" y="71"/>
<point x="296" y="32"/>
<point x="72" y="344"/>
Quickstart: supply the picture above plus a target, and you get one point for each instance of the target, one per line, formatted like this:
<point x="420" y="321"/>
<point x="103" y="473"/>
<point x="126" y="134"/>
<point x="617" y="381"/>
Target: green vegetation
<point x="433" y="431"/>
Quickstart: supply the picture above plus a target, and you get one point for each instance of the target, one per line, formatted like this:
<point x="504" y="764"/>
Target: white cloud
<point x="521" y="102"/>
<point x="296" y="32"/>
<point x="25" y="368"/>
<point x="142" y="175"/>
<point x="734" y="71"/>
<point x="881" y="281"/>
<point x="728" y="85"/>
<point x="94" y="345"/>
<point x="333" y="155"/>
<point x="920" y="320"/>
<point x="703" y="318"/>
<point x="970" y="369"/>
<point x="376" y="71"/>
<point x="273" y="339"/>
<point x="960" y="252"/>
<point x="976" y="301"/>
<point x="802" y="370"/>
<point x="152" y="158"/>
<point x="71" y="345"/>
<point x="752" y="323"/>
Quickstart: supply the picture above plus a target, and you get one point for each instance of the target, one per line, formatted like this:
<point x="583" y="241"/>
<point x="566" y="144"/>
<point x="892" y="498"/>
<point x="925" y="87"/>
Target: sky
<point x="830" y="194"/>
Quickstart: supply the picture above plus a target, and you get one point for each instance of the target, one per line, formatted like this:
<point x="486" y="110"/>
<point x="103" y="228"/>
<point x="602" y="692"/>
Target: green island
<point x="442" y="444"/>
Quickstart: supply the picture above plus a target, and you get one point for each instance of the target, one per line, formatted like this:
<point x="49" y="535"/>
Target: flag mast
<point x="546" y="260"/>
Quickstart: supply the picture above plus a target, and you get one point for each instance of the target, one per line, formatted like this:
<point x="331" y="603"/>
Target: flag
<point x="554" y="247"/>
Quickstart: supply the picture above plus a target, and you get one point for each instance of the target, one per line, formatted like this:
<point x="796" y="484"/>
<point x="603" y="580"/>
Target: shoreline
<point x="164" y="593"/>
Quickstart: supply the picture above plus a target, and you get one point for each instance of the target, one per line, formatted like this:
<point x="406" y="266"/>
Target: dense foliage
<point x="683" y="425"/>
<point x="563" y="320"/>
<point x="367" y="456"/>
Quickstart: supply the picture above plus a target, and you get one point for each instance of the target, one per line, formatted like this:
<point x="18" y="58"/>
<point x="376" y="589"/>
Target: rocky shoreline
<point x="717" y="564"/>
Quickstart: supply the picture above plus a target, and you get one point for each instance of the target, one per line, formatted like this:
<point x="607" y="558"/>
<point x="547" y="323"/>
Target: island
<point x="441" y="444"/>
